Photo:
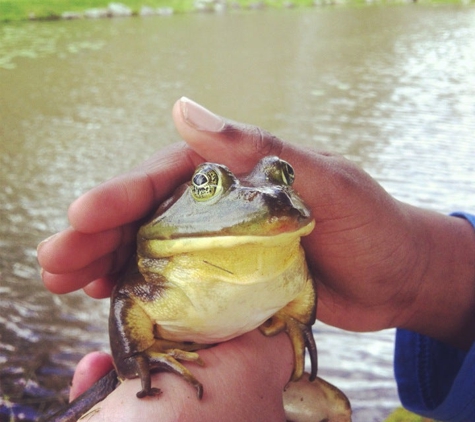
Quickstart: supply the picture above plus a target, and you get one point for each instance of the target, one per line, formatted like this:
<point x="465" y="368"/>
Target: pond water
<point x="391" y="87"/>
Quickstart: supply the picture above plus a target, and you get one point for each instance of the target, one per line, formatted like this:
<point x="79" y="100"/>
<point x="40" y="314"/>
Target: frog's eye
<point x="281" y="173"/>
<point x="287" y="173"/>
<point x="205" y="184"/>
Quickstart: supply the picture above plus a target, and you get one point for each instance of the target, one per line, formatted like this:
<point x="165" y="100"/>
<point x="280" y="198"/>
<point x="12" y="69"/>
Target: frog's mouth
<point x="155" y="248"/>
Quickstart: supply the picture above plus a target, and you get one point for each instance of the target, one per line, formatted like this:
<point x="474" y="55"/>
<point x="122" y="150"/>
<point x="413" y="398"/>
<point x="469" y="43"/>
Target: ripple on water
<point x="34" y="40"/>
<point x="360" y="364"/>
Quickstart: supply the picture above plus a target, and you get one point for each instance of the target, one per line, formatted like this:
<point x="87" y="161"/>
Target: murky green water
<point x="391" y="87"/>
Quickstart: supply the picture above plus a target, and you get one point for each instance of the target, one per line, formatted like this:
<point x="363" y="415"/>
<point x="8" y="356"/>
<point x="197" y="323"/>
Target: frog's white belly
<point x="222" y="312"/>
<point x="212" y="297"/>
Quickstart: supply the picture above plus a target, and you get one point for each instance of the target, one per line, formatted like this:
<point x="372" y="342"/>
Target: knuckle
<point x="265" y="143"/>
<point x="254" y="140"/>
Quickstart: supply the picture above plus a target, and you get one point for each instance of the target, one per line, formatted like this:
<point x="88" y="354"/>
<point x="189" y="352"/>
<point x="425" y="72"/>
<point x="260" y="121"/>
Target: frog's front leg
<point x="296" y="319"/>
<point x="135" y="349"/>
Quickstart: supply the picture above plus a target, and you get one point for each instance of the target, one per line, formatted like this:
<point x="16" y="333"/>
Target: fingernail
<point x="40" y="245"/>
<point x="199" y="117"/>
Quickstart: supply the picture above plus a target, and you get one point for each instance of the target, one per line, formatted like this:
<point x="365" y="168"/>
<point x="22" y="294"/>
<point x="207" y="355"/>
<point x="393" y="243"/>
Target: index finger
<point x="104" y="220"/>
<point x="131" y="196"/>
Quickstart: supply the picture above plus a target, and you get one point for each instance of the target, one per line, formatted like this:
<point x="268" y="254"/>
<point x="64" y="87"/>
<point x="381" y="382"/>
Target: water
<point x="391" y="87"/>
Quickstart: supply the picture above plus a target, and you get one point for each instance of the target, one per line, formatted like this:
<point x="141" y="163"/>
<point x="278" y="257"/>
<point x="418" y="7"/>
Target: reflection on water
<point x="41" y="39"/>
<point x="390" y="87"/>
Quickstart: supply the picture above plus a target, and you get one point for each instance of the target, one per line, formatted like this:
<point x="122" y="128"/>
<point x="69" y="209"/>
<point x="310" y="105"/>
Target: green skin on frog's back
<point x="218" y="259"/>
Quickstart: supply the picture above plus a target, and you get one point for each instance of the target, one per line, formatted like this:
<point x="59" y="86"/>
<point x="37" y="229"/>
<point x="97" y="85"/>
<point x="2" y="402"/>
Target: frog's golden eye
<point x="281" y="173"/>
<point x="205" y="184"/>
<point x="287" y="173"/>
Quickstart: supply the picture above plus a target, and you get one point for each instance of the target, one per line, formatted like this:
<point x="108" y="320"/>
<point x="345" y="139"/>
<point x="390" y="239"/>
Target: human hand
<point x="240" y="382"/>
<point x="378" y="263"/>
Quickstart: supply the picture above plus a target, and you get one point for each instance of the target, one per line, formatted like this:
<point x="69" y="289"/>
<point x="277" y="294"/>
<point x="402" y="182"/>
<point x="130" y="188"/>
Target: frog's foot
<point x="316" y="400"/>
<point x="163" y="357"/>
<point x="168" y="362"/>
<point x="301" y="337"/>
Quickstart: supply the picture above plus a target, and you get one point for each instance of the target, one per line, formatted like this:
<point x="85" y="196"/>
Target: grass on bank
<point x="402" y="415"/>
<point x="17" y="10"/>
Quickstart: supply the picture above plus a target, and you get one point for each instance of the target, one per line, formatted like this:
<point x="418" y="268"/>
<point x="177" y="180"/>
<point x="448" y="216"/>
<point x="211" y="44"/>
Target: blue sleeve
<point x="434" y="379"/>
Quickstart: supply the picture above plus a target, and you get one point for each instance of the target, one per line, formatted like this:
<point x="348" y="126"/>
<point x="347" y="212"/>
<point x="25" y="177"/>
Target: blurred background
<point x="389" y="86"/>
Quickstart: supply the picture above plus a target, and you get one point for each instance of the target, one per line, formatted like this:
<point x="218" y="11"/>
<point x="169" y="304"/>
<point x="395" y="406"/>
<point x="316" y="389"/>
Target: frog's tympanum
<point x="218" y="259"/>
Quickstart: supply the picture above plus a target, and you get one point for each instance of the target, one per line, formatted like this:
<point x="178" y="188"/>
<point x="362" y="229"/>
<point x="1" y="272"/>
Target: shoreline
<point x="49" y="10"/>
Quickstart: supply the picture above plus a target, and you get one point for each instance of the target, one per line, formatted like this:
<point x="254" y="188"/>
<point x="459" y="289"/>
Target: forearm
<point x="444" y="307"/>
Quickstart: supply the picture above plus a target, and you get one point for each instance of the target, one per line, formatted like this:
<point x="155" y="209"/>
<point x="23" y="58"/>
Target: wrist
<point x="444" y="302"/>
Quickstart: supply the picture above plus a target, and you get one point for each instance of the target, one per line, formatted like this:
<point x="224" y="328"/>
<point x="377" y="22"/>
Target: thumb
<point x="240" y="146"/>
<point x="89" y="370"/>
<point x="237" y="145"/>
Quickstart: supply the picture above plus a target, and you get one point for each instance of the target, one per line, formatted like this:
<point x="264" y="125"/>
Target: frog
<point x="221" y="257"/>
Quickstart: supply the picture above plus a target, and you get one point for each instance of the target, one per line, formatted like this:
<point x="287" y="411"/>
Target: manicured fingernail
<point x="199" y="117"/>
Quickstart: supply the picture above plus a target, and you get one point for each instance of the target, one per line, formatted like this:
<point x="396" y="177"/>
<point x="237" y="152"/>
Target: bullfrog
<point x="220" y="258"/>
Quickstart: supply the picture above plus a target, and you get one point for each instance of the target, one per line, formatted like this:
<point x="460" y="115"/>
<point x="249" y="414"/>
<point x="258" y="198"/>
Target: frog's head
<point x="216" y="203"/>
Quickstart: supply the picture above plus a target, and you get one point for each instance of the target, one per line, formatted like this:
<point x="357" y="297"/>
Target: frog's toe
<point x="167" y="362"/>
<point x="186" y="356"/>
<point x="152" y="392"/>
